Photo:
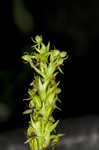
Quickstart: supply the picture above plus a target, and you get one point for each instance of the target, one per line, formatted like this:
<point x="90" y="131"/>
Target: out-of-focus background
<point x="70" y="26"/>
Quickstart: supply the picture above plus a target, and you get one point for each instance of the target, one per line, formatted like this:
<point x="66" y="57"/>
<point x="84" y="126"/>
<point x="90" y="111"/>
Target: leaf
<point x="35" y="144"/>
<point x="49" y="110"/>
<point x="55" y="74"/>
<point x="48" y="46"/>
<point x="42" y="126"/>
<point x="51" y="119"/>
<point x="43" y="48"/>
<point x="46" y="84"/>
<point x="54" y="126"/>
<point x="40" y="85"/>
<point x="48" y="126"/>
<point x="60" y="70"/>
<point x="42" y="111"/>
<point x="31" y="145"/>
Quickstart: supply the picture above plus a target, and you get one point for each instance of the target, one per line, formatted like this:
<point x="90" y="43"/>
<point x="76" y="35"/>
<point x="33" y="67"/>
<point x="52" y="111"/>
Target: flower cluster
<point x="43" y="94"/>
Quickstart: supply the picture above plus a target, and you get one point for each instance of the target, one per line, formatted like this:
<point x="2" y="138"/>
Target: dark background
<point x="70" y="26"/>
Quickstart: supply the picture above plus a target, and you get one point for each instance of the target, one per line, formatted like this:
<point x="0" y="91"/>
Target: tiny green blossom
<point x="43" y="94"/>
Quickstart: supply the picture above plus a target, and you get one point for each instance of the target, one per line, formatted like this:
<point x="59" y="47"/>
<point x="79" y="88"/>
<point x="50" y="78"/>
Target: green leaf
<point x="43" y="49"/>
<point x="49" y="110"/>
<point x="54" y="126"/>
<point x="60" y="70"/>
<point x="48" y="46"/>
<point x="48" y="126"/>
<point x="35" y="145"/>
<point x="51" y="119"/>
<point x="40" y="85"/>
<point x="41" y="90"/>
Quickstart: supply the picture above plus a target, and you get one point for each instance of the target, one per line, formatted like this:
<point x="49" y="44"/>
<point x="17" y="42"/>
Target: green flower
<point x="43" y="94"/>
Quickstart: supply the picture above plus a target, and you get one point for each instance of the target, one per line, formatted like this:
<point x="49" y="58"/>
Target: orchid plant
<point x="43" y="94"/>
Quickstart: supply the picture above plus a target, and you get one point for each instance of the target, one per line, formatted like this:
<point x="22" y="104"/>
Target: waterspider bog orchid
<point x="43" y="94"/>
